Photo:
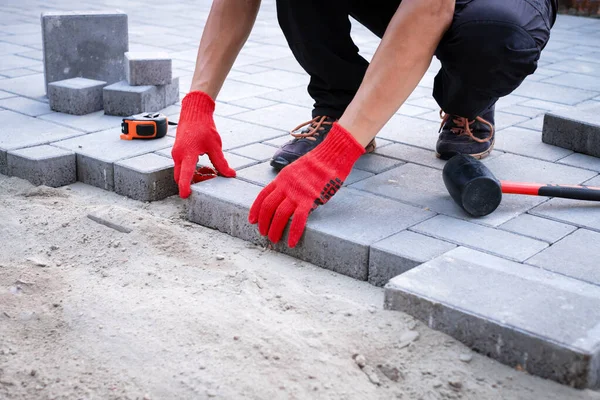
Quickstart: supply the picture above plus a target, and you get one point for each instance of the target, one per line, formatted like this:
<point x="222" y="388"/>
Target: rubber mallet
<point x="473" y="187"/>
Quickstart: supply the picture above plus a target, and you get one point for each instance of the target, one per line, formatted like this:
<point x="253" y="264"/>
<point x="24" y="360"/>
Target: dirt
<point x="173" y="310"/>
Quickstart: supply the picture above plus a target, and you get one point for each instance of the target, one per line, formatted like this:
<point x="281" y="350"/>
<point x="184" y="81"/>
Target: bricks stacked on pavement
<point x="43" y="165"/>
<point x="149" y="86"/>
<point x="576" y="130"/>
<point x="77" y="96"/>
<point x="84" y="44"/>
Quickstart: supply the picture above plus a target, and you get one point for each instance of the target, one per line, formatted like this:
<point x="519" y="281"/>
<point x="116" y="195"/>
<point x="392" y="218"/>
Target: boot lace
<point x="463" y="126"/>
<point x="315" y="126"/>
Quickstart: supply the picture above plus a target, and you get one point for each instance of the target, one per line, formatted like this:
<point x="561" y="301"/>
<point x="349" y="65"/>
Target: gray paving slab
<point x="148" y="68"/>
<point x="555" y="93"/>
<point x="95" y="163"/>
<point x="5" y="95"/>
<point x="236" y="133"/>
<point x="413" y="131"/>
<point x="225" y="109"/>
<point x="280" y="116"/>
<point x="522" y="316"/>
<point x="253" y="103"/>
<point x="86" y="44"/>
<point x="579" y="67"/>
<point x="332" y="240"/>
<point x="577" y="131"/>
<point x="423" y="187"/>
<point x="402" y="252"/>
<point x="575" y="256"/>
<point x="11" y="61"/>
<point x="582" y="161"/>
<point x="490" y="240"/>
<point x="528" y="143"/>
<point x="276" y="79"/>
<point x="297" y="96"/>
<point x="573" y="80"/>
<point x="538" y="228"/>
<point x="257" y="151"/>
<point x="77" y="96"/>
<point x="93" y="122"/>
<point x="376" y="163"/>
<point x="235" y="90"/>
<point x="31" y="86"/>
<point x="15" y="73"/>
<point x="26" y="106"/>
<point x="148" y="177"/>
<point x="580" y="213"/>
<point x="122" y="99"/>
<point x="535" y="124"/>
<point x="43" y="165"/>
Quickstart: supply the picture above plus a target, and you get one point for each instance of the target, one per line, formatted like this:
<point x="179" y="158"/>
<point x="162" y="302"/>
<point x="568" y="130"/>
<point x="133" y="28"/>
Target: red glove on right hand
<point x="197" y="135"/>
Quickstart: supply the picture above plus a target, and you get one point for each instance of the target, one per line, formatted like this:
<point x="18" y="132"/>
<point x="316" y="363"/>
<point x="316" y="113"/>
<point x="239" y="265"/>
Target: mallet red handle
<point x="576" y="192"/>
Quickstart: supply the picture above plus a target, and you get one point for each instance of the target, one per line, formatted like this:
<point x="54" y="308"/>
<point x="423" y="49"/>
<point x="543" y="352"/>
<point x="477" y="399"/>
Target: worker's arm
<point x="228" y="26"/>
<point x="399" y="64"/>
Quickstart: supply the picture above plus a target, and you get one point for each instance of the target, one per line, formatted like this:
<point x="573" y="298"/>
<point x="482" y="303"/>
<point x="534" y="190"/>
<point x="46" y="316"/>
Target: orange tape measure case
<point x="145" y="126"/>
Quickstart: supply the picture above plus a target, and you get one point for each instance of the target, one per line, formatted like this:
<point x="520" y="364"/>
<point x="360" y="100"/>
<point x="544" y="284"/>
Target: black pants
<point x="487" y="52"/>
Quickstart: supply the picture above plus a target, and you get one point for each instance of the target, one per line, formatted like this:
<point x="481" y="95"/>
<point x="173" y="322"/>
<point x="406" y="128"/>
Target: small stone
<point x="360" y="360"/>
<point x="116" y="244"/>
<point x="455" y="383"/>
<point x="38" y="262"/>
<point x="220" y="257"/>
<point x="236" y="338"/>
<point x="211" y="393"/>
<point x="437" y="385"/>
<point x="391" y="372"/>
<point x="407" y="338"/>
<point x="53" y="248"/>
<point x="33" y="372"/>
<point x="466" y="358"/>
<point x="372" y="309"/>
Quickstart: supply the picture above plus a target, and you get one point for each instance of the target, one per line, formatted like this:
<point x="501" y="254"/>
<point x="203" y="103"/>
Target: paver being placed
<point x="523" y="316"/>
<point x="21" y="131"/>
<point x="538" y="228"/>
<point x="494" y="241"/>
<point x="124" y="100"/>
<point x="576" y="256"/>
<point x="148" y="68"/>
<point x="148" y="177"/>
<point x="337" y="236"/>
<point x="578" y="131"/>
<point x="87" y="44"/>
<point x="43" y="165"/>
<point x="77" y="96"/>
<point x="95" y="162"/>
<point x="402" y="252"/>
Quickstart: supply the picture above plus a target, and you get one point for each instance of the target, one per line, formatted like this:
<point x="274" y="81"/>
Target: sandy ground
<point x="173" y="310"/>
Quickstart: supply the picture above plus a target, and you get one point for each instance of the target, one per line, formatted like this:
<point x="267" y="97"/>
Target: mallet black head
<point x="472" y="185"/>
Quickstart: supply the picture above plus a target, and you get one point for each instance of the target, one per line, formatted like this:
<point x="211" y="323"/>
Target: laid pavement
<point x="520" y="285"/>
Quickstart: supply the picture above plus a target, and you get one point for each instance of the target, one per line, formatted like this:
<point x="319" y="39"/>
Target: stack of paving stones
<point x="520" y="285"/>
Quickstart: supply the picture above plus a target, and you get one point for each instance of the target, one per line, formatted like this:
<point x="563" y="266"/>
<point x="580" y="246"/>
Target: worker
<point x="486" y="49"/>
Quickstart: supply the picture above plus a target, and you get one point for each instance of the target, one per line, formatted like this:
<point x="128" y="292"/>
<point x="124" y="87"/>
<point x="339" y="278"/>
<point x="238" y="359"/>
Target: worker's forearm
<point x="399" y="63"/>
<point x="227" y="28"/>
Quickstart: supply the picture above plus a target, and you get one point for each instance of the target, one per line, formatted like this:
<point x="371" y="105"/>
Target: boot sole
<point x="478" y="156"/>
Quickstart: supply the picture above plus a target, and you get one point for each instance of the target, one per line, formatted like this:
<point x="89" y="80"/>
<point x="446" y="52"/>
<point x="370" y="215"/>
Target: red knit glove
<point x="304" y="185"/>
<point x="197" y="135"/>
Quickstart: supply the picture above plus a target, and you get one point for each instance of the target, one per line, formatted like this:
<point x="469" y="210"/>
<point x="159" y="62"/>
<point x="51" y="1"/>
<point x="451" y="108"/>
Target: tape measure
<point x="145" y="126"/>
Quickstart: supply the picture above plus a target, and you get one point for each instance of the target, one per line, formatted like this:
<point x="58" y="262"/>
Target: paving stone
<point x="143" y="69"/>
<point x="501" y="243"/>
<point x="504" y="120"/>
<point x="77" y="96"/>
<point x="10" y="49"/>
<point x="579" y="81"/>
<point x="357" y="175"/>
<point x="535" y="124"/>
<point x="414" y="131"/>
<point x="519" y="315"/>
<point x="253" y="103"/>
<point x="43" y="165"/>
<point x="402" y="252"/>
<point x="582" y="161"/>
<point x="95" y="163"/>
<point x="25" y="106"/>
<point x="252" y="69"/>
<point x="260" y="174"/>
<point x="577" y="131"/>
<point x="236" y="162"/>
<point x="286" y="64"/>
<point x="278" y="141"/>
<point x="538" y="228"/>
<point x="31" y="86"/>
<point x="123" y="99"/>
<point x="580" y="67"/>
<point x="280" y="116"/>
<point x="423" y="187"/>
<point x="585" y="214"/>
<point x="575" y="256"/>
<point x="148" y="177"/>
<point x="376" y="163"/>
<point x="234" y="90"/>
<point x="5" y="95"/>
<point x="21" y="131"/>
<point x="257" y="151"/>
<point x="555" y="93"/>
<point x="276" y="79"/>
<point x="225" y="110"/>
<point x="87" y="44"/>
<point x="528" y="143"/>
<point x="297" y="96"/>
<point x="523" y="111"/>
<point x="236" y="133"/>
<point x="93" y="122"/>
<point x="335" y="237"/>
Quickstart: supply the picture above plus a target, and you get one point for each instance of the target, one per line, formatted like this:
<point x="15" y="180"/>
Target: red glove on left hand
<point x="304" y="185"/>
<point x="197" y="135"/>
